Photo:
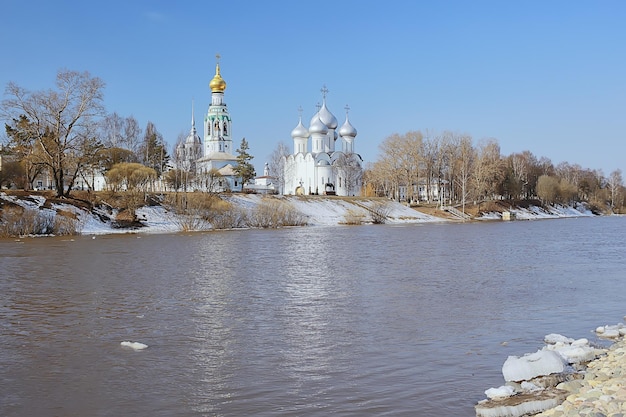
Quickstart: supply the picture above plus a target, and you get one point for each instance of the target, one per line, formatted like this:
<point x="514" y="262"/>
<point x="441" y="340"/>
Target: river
<point x="411" y="320"/>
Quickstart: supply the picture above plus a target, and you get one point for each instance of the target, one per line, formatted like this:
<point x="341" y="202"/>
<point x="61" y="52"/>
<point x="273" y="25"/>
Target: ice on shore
<point x="499" y="393"/>
<point x="520" y="405"/>
<point x="531" y="380"/>
<point x="579" y="351"/>
<point x="543" y="362"/>
<point x="611" y="332"/>
<point x="554" y="338"/>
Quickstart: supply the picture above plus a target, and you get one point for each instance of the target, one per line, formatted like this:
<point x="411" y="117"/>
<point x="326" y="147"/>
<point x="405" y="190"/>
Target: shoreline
<point x="319" y="211"/>
<point x="602" y="391"/>
<point x="566" y="378"/>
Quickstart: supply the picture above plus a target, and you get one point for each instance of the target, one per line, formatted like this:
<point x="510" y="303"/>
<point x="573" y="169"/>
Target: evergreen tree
<point x="153" y="149"/>
<point x="244" y="169"/>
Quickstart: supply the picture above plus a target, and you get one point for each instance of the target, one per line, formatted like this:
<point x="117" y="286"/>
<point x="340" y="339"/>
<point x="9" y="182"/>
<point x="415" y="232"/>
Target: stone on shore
<point x="602" y="391"/>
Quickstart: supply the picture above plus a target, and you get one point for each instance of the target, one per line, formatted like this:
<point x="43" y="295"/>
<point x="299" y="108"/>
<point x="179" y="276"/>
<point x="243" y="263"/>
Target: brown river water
<point x="412" y="320"/>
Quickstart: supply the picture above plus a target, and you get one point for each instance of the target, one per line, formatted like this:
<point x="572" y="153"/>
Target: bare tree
<point x="211" y="181"/>
<point x="22" y="147"/>
<point x="389" y="167"/>
<point x="410" y="151"/>
<point x="488" y="169"/>
<point x="62" y="122"/>
<point x="276" y="165"/>
<point x="348" y="171"/>
<point x="548" y="188"/>
<point x="375" y="180"/>
<point x="464" y="165"/>
<point x="398" y="165"/>
<point x="430" y="154"/>
<point x="120" y="132"/>
<point x="615" y="184"/>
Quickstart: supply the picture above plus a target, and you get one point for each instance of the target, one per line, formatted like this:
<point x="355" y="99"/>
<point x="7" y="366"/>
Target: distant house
<point x="264" y="184"/>
<point x="438" y="190"/>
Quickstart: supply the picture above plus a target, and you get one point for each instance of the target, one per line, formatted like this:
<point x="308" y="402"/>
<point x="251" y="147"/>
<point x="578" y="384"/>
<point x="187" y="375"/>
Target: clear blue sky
<point x="543" y="76"/>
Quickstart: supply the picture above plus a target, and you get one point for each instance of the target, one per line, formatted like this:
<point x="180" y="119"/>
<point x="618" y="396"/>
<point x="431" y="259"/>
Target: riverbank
<point x="104" y="217"/>
<point x="601" y="392"/>
<point x="566" y="378"/>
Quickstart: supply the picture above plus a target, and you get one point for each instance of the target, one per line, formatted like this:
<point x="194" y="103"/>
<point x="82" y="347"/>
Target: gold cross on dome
<point x="218" y="56"/>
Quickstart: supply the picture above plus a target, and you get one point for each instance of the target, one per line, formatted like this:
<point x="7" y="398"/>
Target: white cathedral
<point x="323" y="169"/>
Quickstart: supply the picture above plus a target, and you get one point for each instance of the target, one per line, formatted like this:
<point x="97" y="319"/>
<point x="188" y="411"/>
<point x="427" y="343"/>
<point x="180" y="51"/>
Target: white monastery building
<point x="323" y="159"/>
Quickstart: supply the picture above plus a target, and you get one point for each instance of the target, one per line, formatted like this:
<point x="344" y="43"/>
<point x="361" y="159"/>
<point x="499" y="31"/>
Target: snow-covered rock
<point x="542" y="362"/>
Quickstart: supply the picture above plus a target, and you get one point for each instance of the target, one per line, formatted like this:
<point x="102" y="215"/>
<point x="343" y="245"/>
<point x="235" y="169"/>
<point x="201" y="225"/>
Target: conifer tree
<point x="244" y="169"/>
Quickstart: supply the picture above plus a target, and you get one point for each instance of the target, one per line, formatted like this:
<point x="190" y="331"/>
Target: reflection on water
<point x="312" y="321"/>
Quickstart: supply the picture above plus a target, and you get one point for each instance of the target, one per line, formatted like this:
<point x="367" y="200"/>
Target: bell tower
<point x="217" y="122"/>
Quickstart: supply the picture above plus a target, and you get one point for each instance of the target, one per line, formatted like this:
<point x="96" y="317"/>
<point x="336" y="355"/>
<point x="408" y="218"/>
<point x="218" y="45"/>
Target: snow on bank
<point x="319" y="211"/>
<point x="328" y="211"/>
<point x="536" y="213"/>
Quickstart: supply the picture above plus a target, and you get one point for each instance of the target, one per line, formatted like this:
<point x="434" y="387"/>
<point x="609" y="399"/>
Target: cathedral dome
<point x="317" y="126"/>
<point x="300" y="131"/>
<point x="347" y="130"/>
<point x="327" y="117"/>
<point x="217" y="84"/>
<point x="315" y="117"/>
<point x="193" y="138"/>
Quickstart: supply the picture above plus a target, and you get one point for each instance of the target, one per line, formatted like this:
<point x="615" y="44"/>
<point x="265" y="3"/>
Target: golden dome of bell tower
<point x="217" y="84"/>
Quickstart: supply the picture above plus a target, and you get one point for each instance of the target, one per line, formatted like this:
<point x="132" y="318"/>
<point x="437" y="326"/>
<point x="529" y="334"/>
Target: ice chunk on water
<point x="611" y="332"/>
<point x="542" y="362"/>
<point x="134" y="345"/>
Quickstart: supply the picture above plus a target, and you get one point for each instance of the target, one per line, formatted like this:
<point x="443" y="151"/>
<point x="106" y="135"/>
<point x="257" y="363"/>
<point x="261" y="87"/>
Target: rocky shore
<point x="602" y="390"/>
<point x="566" y="378"/>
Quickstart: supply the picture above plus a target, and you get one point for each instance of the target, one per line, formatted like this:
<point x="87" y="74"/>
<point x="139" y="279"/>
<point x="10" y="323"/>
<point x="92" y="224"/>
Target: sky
<point x="544" y="76"/>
